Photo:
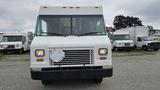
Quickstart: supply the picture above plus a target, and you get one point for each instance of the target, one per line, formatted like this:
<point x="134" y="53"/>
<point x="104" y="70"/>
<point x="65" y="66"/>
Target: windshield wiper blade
<point x="51" y="33"/>
<point x="90" y="33"/>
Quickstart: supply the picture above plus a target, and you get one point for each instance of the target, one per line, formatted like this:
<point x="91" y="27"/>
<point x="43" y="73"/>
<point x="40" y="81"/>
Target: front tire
<point x="4" y="52"/>
<point x="144" y="47"/>
<point x="128" y="49"/>
<point x="98" y="80"/>
<point x="45" y="83"/>
<point x="21" y="51"/>
<point x="156" y="49"/>
<point x="115" y="49"/>
<point x="135" y="47"/>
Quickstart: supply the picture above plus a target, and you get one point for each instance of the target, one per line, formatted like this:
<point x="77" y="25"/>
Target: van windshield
<point x="12" y="38"/>
<point x="70" y="25"/>
<point x="148" y="39"/>
<point x="121" y="37"/>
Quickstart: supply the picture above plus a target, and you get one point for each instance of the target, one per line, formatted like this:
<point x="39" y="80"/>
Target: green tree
<point x="121" y="21"/>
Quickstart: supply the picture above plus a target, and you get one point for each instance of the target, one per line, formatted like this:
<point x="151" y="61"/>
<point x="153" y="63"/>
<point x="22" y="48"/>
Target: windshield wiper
<point x="52" y="33"/>
<point x="91" y="33"/>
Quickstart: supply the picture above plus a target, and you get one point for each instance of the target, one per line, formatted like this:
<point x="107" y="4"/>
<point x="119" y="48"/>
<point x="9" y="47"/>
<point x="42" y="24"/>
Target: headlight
<point x="103" y="51"/>
<point x="17" y="45"/>
<point x="39" y="53"/>
<point x="1" y="46"/>
<point x="120" y="43"/>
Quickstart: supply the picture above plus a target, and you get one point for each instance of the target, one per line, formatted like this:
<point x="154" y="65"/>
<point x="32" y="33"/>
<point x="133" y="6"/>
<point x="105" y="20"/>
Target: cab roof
<point x="14" y="34"/>
<point x="68" y="10"/>
<point x="119" y="32"/>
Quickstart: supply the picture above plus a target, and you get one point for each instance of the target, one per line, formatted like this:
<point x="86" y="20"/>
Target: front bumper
<point x="11" y="49"/>
<point x="125" y="48"/>
<point x="154" y="47"/>
<point x="71" y="73"/>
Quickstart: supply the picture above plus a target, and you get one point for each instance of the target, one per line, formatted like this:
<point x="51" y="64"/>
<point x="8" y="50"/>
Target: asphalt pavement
<point x="130" y="73"/>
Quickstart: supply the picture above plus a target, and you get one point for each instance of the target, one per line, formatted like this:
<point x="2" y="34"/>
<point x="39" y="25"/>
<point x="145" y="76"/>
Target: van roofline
<point x="70" y="10"/>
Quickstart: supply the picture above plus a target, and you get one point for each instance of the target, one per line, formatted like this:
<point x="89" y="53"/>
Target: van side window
<point x="139" y="39"/>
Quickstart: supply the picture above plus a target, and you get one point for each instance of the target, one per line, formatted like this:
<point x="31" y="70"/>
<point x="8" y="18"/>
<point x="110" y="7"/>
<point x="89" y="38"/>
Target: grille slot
<point x="127" y="44"/>
<point x="76" y="57"/>
<point x="10" y="46"/>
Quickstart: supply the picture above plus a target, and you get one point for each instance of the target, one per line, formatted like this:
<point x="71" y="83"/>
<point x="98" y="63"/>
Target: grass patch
<point x="133" y="53"/>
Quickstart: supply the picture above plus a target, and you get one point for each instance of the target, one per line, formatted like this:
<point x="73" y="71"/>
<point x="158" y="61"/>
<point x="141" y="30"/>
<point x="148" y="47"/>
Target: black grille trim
<point x="76" y="57"/>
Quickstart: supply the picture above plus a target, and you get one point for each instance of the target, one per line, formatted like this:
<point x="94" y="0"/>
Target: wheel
<point x="115" y="48"/>
<point x="98" y="80"/>
<point x="134" y="47"/>
<point x="156" y="49"/>
<point x="4" y="52"/>
<point x="21" y="51"/>
<point x="45" y="82"/>
<point x="128" y="49"/>
<point x="144" y="48"/>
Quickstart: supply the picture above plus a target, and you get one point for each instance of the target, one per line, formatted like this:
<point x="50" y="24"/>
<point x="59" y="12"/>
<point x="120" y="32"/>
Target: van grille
<point x="76" y="57"/>
<point x="156" y="44"/>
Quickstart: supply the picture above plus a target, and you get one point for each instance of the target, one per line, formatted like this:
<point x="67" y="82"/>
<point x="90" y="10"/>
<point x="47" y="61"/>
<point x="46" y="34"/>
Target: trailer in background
<point x="121" y="40"/>
<point x="155" y="33"/>
<point x="141" y="38"/>
<point x="16" y="42"/>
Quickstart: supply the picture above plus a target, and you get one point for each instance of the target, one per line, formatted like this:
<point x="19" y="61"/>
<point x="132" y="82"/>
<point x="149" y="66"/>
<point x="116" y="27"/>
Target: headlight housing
<point x="39" y="53"/>
<point x="103" y="51"/>
<point x="121" y="43"/>
<point x="17" y="45"/>
<point x="1" y="46"/>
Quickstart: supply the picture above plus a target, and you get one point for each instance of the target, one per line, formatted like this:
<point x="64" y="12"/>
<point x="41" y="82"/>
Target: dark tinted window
<point x="121" y="37"/>
<point x="139" y="39"/>
<point x="70" y="25"/>
<point x="12" y="38"/>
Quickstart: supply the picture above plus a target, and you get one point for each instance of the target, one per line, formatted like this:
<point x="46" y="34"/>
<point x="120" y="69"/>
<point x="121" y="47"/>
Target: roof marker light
<point x="96" y="7"/>
<point x="70" y="7"/>
<point x="44" y="7"/>
<point x="64" y="7"/>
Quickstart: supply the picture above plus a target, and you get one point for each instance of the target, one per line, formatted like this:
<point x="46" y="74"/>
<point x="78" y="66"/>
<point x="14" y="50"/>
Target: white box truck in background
<point x="155" y="33"/>
<point x="156" y="37"/>
<point x="141" y="38"/>
<point x="121" y="40"/>
<point x="18" y="42"/>
<point x="70" y="43"/>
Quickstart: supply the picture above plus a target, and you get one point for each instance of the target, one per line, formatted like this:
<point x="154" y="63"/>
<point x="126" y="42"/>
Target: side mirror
<point x="23" y="40"/>
<point x="112" y="41"/>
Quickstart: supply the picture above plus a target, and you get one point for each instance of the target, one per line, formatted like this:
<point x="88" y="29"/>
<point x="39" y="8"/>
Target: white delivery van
<point x="147" y="43"/>
<point x="155" y="33"/>
<point x="121" y="40"/>
<point x="141" y="38"/>
<point x="18" y="42"/>
<point x="156" y="37"/>
<point x="70" y="43"/>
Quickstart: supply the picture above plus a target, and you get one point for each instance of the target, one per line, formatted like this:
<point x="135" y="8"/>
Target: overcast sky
<point x="21" y="14"/>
